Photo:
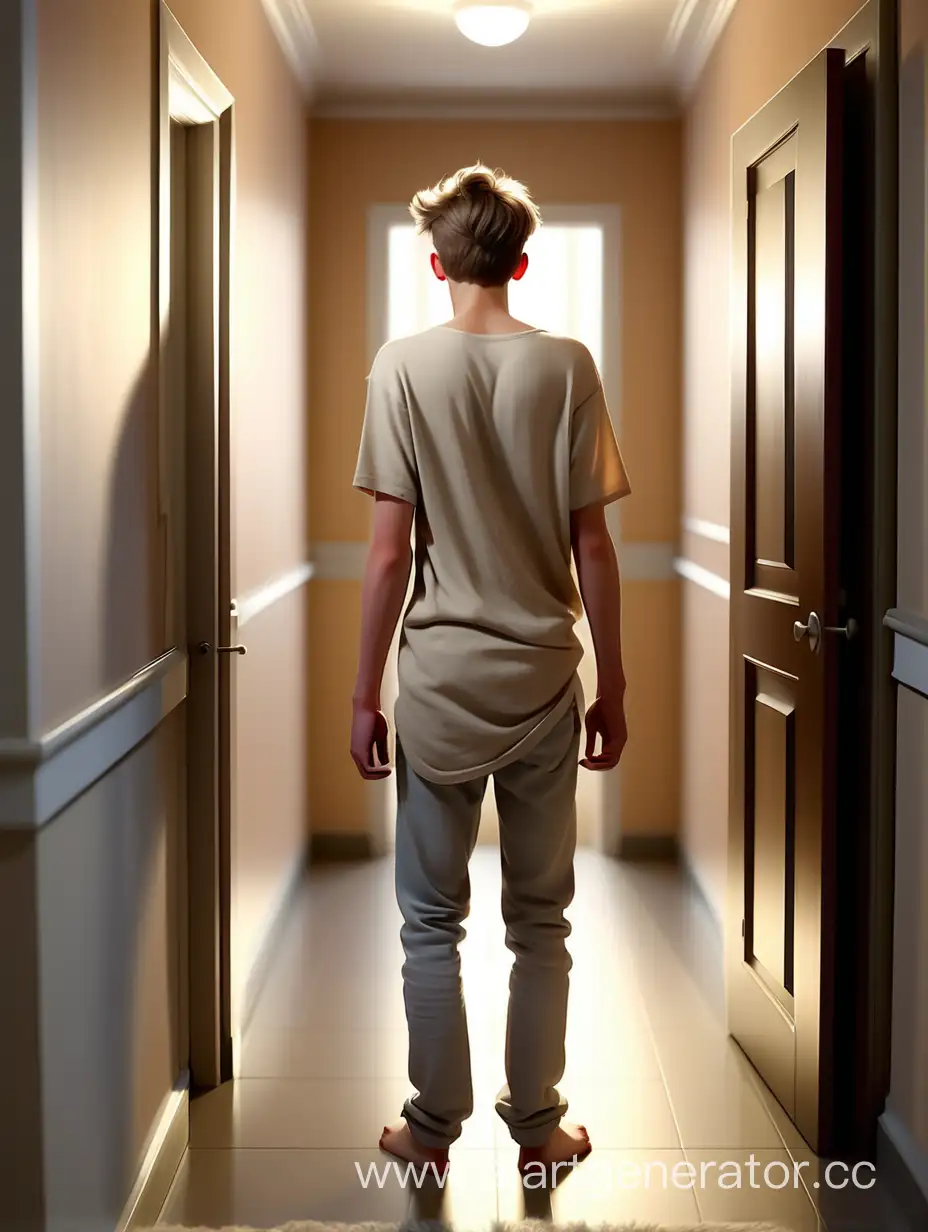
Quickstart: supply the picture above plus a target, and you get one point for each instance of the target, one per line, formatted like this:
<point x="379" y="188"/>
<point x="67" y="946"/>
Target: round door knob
<point x="812" y="629"/>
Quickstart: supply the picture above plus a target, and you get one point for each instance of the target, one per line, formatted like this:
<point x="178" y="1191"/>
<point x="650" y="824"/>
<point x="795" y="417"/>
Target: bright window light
<point x="416" y="299"/>
<point x="561" y="292"/>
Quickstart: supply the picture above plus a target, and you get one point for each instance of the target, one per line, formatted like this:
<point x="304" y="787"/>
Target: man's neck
<point x="483" y="310"/>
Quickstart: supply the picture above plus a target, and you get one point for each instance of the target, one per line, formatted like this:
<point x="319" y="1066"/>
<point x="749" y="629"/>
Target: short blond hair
<point x="479" y="221"/>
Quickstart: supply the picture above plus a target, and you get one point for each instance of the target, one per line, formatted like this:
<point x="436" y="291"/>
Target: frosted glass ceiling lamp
<point x="492" y="23"/>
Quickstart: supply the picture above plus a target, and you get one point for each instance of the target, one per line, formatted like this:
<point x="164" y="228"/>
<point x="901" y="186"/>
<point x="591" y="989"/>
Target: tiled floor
<point x="674" y="1110"/>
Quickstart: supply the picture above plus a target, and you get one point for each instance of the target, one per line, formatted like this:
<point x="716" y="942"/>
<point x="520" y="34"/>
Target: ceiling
<point x="407" y="56"/>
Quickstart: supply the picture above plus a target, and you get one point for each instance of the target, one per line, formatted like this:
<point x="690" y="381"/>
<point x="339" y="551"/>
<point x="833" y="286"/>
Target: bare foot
<point x="567" y="1144"/>
<point x="398" y="1140"/>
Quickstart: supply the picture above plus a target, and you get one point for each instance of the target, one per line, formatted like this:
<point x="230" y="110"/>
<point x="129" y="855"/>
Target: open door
<point x="196" y="115"/>
<point x="787" y="622"/>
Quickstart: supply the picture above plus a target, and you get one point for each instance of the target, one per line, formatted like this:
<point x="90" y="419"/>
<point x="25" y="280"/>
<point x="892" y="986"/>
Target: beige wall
<point x="101" y="886"/>
<point x="765" y="43"/>
<point x="100" y="586"/>
<point x="633" y="165"/>
<point x="269" y="763"/>
<point x="102" y="572"/>
<point x="100" y="566"/>
<point x="907" y="1121"/>
<point x="269" y="325"/>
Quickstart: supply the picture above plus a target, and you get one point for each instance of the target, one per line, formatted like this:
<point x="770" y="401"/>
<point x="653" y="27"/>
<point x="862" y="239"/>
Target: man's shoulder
<point x="571" y="349"/>
<point x="554" y="352"/>
<point x="397" y="351"/>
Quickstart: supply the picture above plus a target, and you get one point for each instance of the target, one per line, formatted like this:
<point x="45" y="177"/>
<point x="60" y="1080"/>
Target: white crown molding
<point x="292" y="24"/>
<point x="386" y="108"/>
<point x="695" y="28"/>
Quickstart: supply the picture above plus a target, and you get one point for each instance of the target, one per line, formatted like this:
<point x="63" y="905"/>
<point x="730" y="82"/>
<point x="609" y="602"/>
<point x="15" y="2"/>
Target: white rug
<point x="528" y="1225"/>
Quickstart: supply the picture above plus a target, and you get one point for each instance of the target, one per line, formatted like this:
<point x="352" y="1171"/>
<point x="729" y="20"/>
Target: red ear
<point x="521" y="267"/>
<point x="436" y="268"/>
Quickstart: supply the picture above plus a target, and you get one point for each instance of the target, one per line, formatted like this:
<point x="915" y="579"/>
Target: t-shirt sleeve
<point x="597" y="472"/>
<point x="387" y="458"/>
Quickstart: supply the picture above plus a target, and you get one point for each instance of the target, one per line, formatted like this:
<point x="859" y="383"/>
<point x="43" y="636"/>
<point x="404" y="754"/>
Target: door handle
<point x="813" y="630"/>
<point x="849" y="630"/>
<point x="205" y="647"/>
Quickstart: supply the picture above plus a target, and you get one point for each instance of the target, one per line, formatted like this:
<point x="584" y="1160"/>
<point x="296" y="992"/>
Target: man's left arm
<point x="386" y="578"/>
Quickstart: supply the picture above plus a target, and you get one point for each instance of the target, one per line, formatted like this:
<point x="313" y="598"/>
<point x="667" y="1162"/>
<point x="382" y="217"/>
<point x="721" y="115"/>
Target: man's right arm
<point x="600" y="589"/>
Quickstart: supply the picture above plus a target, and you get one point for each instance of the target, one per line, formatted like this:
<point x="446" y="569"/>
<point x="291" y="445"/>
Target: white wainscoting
<point x="40" y="778"/>
<point x="910" y="656"/>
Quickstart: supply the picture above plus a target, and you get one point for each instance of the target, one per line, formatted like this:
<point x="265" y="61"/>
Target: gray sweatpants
<point x="436" y="831"/>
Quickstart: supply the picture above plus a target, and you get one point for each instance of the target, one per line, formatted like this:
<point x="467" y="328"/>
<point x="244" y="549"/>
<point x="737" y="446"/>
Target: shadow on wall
<point x="110" y="890"/>
<point x="148" y="812"/>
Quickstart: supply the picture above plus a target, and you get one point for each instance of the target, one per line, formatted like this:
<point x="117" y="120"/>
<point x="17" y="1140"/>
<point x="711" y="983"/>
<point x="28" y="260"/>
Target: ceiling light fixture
<point x="492" y="23"/>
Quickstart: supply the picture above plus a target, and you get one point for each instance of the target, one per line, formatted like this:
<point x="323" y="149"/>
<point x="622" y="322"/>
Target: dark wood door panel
<point x="765" y="1032"/>
<point x="771" y="478"/>
<point x="786" y="391"/>
<point x="773" y="641"/>
<point x="770" y="820"/>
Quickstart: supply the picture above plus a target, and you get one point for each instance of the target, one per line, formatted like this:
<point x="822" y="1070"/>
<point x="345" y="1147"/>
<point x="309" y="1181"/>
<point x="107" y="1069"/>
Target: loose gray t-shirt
<point x="494" y="438"/>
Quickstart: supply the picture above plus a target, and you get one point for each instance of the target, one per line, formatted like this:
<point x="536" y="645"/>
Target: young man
<point x="493" y="439"/>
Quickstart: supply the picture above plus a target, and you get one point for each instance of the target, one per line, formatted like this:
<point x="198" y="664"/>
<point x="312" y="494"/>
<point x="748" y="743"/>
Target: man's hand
<point x="598" y="575"/>
<point x="606" y="719"/>
<point x="383" y="591"/>
<point x="369" y="733"/>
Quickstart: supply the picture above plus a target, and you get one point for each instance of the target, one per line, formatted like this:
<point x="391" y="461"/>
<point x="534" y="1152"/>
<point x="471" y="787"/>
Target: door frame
<point x="190" y="92"/>
<point x="869" y="900"/>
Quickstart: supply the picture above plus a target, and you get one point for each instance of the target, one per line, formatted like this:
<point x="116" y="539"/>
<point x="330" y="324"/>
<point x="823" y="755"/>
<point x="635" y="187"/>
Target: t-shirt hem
<point x="370" y="484"/>
<point x="572" y="695"/>
<point x="599" y="499"/>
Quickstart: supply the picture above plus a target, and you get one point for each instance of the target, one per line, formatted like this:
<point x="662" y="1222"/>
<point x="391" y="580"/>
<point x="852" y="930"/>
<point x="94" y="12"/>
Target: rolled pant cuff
<point x="538" y="1135"/>
<point x="426" y="1137"/>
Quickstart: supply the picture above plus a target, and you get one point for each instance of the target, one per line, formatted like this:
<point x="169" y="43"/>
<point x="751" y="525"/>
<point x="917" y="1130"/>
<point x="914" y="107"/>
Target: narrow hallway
<point x="650" y="1071"/>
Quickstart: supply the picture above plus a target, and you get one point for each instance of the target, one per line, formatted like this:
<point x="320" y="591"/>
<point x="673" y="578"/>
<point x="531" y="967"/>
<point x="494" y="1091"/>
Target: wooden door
<point x="202" y="586"/>
<point x="786" y="449"/>
<point x="196" y="173"/>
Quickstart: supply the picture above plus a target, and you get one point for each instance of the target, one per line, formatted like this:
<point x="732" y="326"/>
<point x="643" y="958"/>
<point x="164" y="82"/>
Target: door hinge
<point x="742" y="928"/>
